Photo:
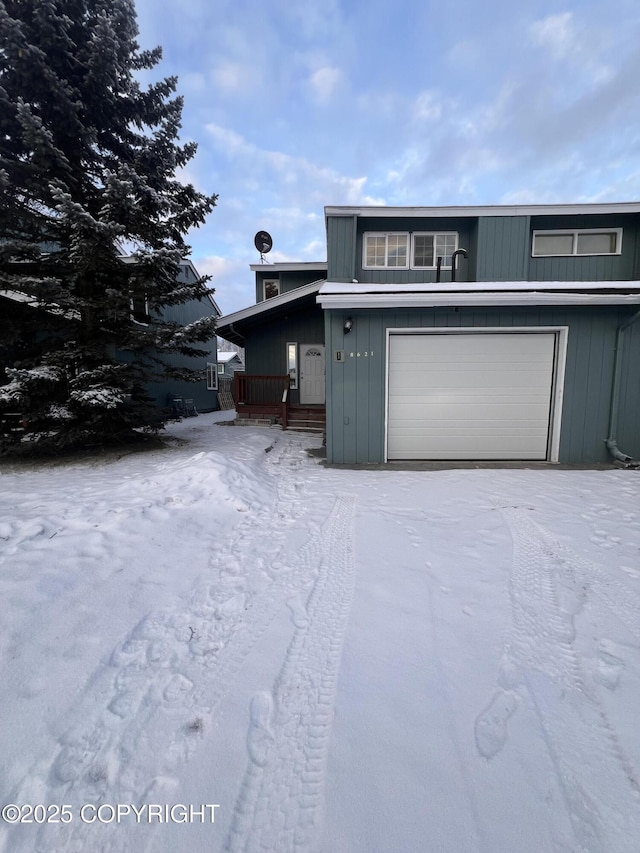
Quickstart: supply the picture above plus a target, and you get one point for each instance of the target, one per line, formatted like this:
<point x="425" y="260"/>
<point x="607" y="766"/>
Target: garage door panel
<point x="469" y="396"/>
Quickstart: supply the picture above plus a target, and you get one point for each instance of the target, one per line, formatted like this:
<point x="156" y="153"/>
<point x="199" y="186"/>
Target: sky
<point x="299" y="105"/>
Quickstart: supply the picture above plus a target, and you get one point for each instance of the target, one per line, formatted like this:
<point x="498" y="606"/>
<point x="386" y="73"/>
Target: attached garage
<point x="481" y="395"/>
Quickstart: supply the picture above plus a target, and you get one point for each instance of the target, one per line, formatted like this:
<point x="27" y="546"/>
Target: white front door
<point x="311" y="374"/>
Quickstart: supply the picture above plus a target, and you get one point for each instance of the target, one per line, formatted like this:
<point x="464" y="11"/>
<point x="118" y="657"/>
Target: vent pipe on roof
<point x="611" y="441"/>
<point x="454" y="258"/>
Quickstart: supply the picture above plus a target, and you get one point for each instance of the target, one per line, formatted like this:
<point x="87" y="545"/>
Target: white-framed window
<point x="427" y="247"/>
<point x="221" y="370"/>
<point x="577" y="241"/>
<point x="385" y="250"/>
<point x="139" y="307"/>
<point x="292" y="364"/>
<point x="212" y="376"/>
<point x="271" y="287"/>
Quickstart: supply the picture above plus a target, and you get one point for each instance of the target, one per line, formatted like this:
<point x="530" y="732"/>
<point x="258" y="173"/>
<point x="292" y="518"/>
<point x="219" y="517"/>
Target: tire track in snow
<point x="281" y="796"/>
<point x="548" y="587"/>
<point x="142" y="716"/>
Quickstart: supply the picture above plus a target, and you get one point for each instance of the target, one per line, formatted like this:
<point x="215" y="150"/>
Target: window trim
<point x="386" y="235"/>
<point x="212" y="374"/>
<point x="433" y="234"/>
<point x="265" y="282"/>
<point x="574" y="233"/>
<point x="220" y="369"/>
<point x="133" y="315"/>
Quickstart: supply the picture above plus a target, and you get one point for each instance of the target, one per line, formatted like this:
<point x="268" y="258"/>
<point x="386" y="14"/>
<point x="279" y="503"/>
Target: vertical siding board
<point x="629" y="411"/>
<point x="376" y="402"/>
<point x="340" y="248"/>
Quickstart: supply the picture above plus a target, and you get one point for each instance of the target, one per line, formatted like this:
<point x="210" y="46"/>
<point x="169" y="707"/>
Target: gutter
<point x="611" y="441"/>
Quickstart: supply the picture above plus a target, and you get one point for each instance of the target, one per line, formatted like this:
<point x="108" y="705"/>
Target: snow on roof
<point x="224" y="357"/>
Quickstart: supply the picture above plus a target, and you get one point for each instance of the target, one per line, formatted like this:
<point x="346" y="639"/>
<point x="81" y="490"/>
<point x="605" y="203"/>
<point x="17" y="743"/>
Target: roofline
<point x="343" y="296"/>
<point x="270" y="304"/>
<point x="289" y="266"/>
<point x="374" y="211"/>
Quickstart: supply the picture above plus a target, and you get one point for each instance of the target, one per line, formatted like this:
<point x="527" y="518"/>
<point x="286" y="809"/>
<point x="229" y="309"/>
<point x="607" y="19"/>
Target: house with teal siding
<point x="480" y="333"/>
<point x="33" y="321"/>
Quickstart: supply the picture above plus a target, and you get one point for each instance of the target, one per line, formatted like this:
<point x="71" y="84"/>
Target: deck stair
<point x="307" y="418"/>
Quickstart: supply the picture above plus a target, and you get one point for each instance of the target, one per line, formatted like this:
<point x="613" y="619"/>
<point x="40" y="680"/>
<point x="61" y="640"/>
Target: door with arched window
<point x="312" y="387"/>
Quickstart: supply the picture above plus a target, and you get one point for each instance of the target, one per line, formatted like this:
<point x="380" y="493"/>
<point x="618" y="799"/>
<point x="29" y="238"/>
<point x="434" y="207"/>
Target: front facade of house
<point x="530" y="354"/>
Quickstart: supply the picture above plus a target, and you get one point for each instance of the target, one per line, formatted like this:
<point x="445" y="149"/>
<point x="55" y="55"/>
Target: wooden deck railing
<point x="256" y="396"/>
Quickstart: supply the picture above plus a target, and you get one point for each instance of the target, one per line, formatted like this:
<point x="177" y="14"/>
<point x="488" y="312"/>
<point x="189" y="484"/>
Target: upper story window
<point x="271" y="287"/>
<point x="385" y="250"/>
<point x="428" y="247"/>
<point x="580" y="241"/>
<point x="419" y="250"/>
<point x="138" y="306"/>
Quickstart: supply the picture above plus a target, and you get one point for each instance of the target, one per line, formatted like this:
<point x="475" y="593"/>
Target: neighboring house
<point x="203" y="392"/>
<point x="521" y="344"/>
<point x="228" y="364"/>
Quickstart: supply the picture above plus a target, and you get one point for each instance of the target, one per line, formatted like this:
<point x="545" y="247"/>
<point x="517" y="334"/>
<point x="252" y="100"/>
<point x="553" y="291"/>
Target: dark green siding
<point x="499" y="249"/>
<point x="356" y="406"/>
<point x="341" y="248"/>
<point x="265" y="346"/>
<point x="502" y="248"/>
<point x="466" y="267"/>
<point x="289" y="279"/>
<point x="628" y="432"/>
<point x="623" y="267"/>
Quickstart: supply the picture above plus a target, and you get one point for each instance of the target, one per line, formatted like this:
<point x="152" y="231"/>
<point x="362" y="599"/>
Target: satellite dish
<point x="263" y="242"/>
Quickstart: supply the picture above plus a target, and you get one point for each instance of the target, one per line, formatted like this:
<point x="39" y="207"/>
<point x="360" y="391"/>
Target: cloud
<point x="291" y="177"/>
<point x="324" y="82"/>
<point x="556" y="33"/>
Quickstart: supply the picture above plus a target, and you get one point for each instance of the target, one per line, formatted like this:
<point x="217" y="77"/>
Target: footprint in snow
<point x="491" y="725"/>
<point x="259" y="737"/>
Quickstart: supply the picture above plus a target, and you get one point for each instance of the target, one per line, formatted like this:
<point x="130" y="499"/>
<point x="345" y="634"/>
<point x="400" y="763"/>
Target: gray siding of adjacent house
<point x="204" y="399"/>
<point x="356" y="386"/>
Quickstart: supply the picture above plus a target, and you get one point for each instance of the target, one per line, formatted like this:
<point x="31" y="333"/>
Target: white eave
<point x="50" y="308"/>
<point x="289" y="266"/>
<point x="429" y="295"/>
<point x="486" y="210"/>
<point x="271" y="304"/>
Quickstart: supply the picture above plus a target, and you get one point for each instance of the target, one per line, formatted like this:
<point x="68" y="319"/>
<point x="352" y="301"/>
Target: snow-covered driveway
<point x="226" y="646"/>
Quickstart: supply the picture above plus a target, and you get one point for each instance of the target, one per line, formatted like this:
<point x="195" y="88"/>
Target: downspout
<point x="611" y="442"/>
<point x="237" y="334"/>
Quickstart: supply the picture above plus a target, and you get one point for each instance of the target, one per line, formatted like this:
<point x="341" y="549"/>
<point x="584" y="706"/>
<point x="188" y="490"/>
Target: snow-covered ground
<point x="314" y="659"/>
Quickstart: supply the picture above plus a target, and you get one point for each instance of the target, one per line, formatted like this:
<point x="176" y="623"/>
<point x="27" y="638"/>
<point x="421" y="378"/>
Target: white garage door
<point x="469" y="396"/>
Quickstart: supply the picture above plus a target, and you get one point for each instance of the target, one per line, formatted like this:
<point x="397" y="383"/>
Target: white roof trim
<point x="50" y="308"/>
<point x="340" y="295"/>
<point x="270" y="304"/>
<point x="486" y="210"/>
<point x="289" y="266"/>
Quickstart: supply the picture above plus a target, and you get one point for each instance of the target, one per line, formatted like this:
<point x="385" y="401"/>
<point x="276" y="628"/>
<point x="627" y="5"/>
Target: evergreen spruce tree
<point x="88" y="160"/>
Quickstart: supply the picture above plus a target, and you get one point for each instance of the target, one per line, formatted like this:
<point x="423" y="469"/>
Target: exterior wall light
<point x="348" y="325"/>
